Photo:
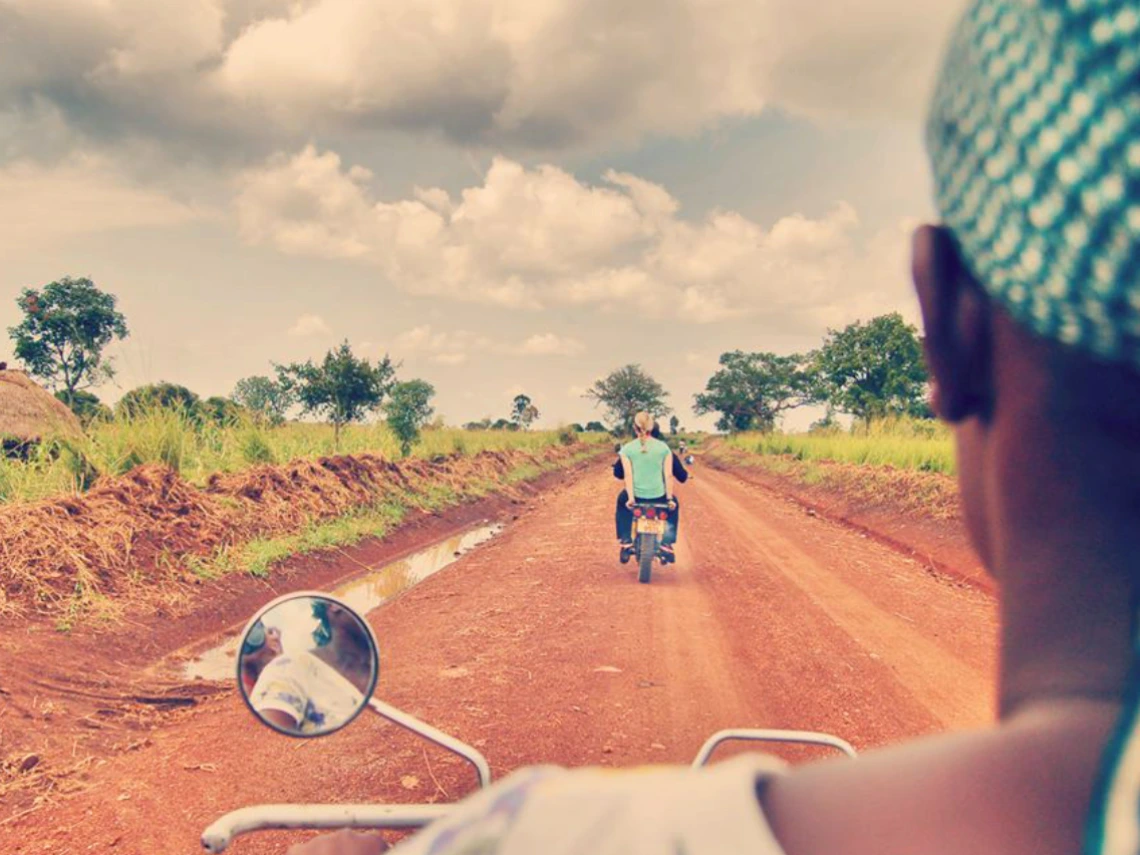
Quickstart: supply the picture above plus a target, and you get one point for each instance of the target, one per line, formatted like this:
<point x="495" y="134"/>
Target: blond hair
<point x="643" y="425"/>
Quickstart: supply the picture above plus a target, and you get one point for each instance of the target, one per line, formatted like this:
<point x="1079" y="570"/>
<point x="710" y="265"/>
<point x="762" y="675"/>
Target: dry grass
<point x="140" y="536"/>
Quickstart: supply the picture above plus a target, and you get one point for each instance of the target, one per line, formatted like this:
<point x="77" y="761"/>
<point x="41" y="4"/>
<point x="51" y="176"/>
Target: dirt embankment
<point x="135" y="538"/>
<point x="915" y="512"/>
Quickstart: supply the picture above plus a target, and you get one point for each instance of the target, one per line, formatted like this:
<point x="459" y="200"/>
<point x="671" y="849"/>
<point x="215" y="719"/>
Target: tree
<point x="222" y="411"/>
<point x="408" y="409"/>
<point x="504" y="424"/>
<point x="674" y="424"/>
<point x="66" y="327"/>
<point x="577" y="428"/>
<point x="873" y="369"/>
<point x="750" y="390"/>
<point x="86" y="405"/>
<point x="267" y="400"/>
<point x="342" y="388"/>
<point x="160" y="396"/>
<point x="595" y="427"/>
<point x="523" y="411"/>
<point x="626" y="392"/>
<point x="482" y="424"/>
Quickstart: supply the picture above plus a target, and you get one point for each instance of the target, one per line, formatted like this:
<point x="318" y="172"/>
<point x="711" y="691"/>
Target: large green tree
<point x="343" y="388"/>
<point x="268" y="400"/>
<point x="873" y="369"/>
<point x="751" y="390"/>
<point x="67" y="326"/>
<point x="626" y="392"/>
<point x="408" y="409"/>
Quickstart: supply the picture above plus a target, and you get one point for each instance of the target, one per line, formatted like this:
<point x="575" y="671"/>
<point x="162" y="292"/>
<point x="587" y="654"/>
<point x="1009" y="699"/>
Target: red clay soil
<point x="937" y="539"/>
<point x="540" y="647"/>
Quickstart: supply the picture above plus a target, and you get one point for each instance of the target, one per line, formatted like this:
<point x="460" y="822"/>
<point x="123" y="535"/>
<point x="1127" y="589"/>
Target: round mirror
<point x="308" y="664"/>
<point x="689" y="460"/>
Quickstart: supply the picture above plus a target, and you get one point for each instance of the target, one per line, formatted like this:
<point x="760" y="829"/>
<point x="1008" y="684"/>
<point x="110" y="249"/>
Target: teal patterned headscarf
<point x="1034" y="136"/>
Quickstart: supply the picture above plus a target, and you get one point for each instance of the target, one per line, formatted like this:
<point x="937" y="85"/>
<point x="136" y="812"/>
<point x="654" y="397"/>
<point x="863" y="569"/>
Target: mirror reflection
<point x="308" y="665"/>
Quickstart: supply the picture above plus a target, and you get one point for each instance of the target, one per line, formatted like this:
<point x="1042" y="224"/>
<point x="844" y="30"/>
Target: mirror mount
<point x="436" y="736"/>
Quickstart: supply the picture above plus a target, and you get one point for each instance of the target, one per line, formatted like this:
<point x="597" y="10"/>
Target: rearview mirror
<point x="307" y="665"/>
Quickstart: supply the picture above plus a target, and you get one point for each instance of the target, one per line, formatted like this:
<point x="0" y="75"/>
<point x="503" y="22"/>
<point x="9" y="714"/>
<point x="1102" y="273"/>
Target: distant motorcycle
<point x="650" y="519"/>
<point x="292" y="692"/>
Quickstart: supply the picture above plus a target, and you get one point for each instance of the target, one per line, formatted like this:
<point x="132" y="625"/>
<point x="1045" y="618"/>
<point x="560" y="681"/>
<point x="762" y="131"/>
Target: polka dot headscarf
<point x="1034" y="136"/>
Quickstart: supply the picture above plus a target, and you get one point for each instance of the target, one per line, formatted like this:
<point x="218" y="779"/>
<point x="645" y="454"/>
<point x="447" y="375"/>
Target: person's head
<point x="643" y="424"/>
<point x="261" y="646"/>
<point x="656" y="432"/>
<point x="1030" y="289"/>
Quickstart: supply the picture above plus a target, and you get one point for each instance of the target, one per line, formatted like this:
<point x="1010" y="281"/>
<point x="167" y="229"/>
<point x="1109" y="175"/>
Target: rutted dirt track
<point x="540" y="647"/>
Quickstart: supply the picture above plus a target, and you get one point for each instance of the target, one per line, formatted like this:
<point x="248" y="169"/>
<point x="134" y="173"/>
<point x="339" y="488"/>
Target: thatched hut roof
<point x="28" y="412"/>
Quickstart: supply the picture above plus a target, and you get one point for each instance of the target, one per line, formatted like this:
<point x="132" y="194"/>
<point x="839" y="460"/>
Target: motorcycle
<point x="650" y="520"/>
<point x="321" y="677"/>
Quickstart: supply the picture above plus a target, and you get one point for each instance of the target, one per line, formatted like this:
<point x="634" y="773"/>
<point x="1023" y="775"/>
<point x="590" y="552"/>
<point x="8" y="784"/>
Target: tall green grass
<point x="198" y="451"/>
<point x="922" y="445"/>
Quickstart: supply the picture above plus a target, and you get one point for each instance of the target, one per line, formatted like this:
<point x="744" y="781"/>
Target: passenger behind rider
<point x="647" y="467"/>
<point x="319" y="689"/>
<point x="1030" y="299"/>
<point x="623" y="516"/>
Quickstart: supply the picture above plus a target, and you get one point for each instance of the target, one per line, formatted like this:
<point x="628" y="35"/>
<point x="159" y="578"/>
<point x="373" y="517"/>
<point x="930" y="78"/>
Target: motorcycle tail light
<point x="637" y="512"/>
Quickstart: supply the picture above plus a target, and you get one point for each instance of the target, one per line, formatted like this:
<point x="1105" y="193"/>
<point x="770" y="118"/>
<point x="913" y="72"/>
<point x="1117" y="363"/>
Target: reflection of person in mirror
<point x="261" y="646"/>
<point x="318" y="690"/>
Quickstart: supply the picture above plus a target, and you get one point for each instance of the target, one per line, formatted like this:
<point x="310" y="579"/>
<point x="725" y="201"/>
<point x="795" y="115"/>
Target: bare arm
<point x="628" y="467"/>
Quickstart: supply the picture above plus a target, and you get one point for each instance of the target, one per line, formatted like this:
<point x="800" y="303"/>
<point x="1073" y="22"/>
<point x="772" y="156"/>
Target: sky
<point x="505" y="196"/>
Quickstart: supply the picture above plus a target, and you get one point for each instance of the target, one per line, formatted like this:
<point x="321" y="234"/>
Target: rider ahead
<point x="647" y="464"/>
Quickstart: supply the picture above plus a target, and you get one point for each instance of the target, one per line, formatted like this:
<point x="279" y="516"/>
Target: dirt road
<point x="540" y="647"/>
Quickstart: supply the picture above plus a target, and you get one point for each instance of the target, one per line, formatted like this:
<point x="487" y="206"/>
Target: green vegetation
<point x="903" y="443"/>
<point x="343" y="388"/>
<point x="197" y="450"/>
<point x="626" y="392"/>
<point x="409" y="409"/>
<point x="66" y="327"/>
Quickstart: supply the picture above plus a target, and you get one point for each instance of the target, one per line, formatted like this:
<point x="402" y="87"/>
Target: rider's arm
<point x="680" y="474"/>
<point x="628" y="467"/>
<point x="667" y="468"/>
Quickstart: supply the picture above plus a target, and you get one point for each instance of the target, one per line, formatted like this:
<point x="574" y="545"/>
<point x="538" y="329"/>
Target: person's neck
<point x="1068" y="617"/>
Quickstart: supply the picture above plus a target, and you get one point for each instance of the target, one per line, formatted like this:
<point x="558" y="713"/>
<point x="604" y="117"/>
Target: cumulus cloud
<point x="309" y="326"/>
<point x="528" y="238"/>
<point x="454" y="347"/>
<point x="42" y="206"/>
<point x="538" y="74"/>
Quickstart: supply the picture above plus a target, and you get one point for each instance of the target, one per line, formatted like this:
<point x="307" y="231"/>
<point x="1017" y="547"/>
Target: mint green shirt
<point x="648" y="466"/>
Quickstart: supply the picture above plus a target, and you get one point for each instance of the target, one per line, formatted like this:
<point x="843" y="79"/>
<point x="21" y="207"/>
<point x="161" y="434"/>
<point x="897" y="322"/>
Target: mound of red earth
<point x="131" y="533"/>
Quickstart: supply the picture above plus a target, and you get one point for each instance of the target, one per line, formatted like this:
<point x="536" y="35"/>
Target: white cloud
<point x="43" y="206"/>
<point x="536" y="74"/>
<point x="308" y="326"/>
<point x="549" y="344"/>
<point x="455" y="347"/>
<point x="528" y="238"/>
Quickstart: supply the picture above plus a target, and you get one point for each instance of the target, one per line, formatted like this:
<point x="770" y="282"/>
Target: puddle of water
<point x="363" y="593"/>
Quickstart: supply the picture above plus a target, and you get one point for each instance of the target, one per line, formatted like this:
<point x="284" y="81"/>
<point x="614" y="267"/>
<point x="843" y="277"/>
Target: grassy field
<point x="196" y="452"/>
<point x="923" y="446"/>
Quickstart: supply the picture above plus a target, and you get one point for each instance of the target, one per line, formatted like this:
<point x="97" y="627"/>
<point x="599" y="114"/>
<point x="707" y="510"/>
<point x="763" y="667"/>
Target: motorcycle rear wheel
<point x="646" y="552"/>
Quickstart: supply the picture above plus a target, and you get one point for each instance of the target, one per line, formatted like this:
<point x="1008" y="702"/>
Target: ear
<point x="955" y="315"/>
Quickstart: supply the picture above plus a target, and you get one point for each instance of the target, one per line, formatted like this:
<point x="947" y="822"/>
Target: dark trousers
<point x="624" y="519"/>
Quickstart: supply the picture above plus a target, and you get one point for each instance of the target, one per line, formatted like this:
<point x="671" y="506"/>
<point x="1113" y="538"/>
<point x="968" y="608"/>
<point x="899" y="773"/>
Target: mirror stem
<point x="450" y="743"/>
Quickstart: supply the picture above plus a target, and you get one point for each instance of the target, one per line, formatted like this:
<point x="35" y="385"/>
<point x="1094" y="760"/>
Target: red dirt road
<point x="540" y="647"/>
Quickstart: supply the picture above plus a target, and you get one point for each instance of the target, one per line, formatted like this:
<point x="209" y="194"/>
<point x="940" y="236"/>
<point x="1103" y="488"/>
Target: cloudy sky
<point x="504" y="195"/>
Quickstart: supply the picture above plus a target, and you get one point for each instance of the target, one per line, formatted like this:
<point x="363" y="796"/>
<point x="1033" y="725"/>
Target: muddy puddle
<point x="364" y="593"/>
